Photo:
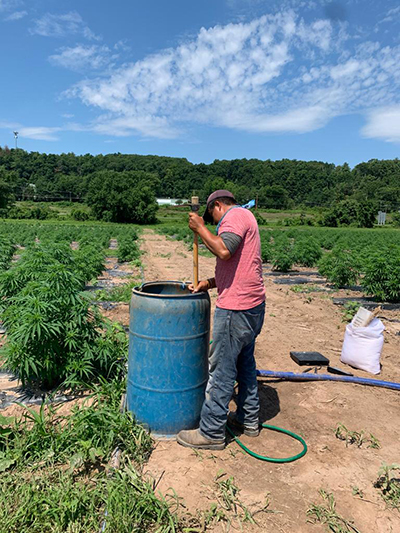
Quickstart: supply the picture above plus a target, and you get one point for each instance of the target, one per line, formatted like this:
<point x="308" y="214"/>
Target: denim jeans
<point x="232" y="359"/>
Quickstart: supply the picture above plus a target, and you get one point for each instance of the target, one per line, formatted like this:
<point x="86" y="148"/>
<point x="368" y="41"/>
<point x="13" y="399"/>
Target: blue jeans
<point x="232" y="359"/>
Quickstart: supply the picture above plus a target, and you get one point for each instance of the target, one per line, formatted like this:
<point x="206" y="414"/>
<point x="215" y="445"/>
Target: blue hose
<point x="291" y="376"/>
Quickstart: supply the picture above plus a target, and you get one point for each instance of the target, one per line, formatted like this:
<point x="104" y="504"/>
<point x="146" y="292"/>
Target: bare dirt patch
<point x="294" y="321"/>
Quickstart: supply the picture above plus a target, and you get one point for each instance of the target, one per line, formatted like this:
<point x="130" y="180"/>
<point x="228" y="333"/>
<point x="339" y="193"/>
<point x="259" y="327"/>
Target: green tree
<point x="351" y="213"/>
<point x="123" y="196"/>
<point x="6" y="196"/>
<point x="273" y="197"/>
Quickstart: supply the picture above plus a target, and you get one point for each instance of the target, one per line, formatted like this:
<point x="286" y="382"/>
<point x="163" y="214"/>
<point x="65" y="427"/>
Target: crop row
<point x="22" y="233"/>
<point x="343" y="256"/>
<point x="54" y="333"/>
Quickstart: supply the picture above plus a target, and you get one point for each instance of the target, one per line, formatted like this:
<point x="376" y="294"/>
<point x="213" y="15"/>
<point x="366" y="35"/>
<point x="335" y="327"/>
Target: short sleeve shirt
<point x="239" y="280"/>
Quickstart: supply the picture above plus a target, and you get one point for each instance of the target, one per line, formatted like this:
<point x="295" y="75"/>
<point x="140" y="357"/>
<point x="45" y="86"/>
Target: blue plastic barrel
<point x="169" y="335"/>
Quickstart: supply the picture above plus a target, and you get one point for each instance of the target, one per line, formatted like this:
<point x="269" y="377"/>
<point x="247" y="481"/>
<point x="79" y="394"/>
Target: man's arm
<point x="203" y="285"/>
<point x="214" y="243"/>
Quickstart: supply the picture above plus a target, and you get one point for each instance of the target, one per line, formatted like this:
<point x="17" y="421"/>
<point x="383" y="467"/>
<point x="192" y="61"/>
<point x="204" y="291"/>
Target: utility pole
<point x="16" y="139"/>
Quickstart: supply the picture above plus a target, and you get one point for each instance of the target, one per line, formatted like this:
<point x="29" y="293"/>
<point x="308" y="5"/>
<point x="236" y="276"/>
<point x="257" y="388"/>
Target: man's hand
<point x="195" y="222"/>
<point x="203" y="286"/>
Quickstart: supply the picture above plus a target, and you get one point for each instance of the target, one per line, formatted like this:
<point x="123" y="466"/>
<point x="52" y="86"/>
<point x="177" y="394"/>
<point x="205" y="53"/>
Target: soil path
<point x="166" y="259"/>
<point x="294" y="321"/>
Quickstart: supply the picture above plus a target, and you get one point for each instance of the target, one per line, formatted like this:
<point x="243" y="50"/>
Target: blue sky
<point x="214" y="79"/>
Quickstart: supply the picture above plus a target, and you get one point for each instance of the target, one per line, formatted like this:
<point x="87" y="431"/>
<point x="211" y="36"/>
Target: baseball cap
<point x="221" y="193"/>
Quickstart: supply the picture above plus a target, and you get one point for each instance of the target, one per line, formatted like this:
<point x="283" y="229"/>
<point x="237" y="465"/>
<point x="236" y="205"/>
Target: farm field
<point x="300" y="316"/>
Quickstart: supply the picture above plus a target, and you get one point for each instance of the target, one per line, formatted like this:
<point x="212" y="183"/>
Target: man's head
<point x="218" y="204"/>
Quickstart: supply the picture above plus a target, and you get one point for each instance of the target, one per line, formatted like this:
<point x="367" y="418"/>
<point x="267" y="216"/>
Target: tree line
<point x="112" y="184"/>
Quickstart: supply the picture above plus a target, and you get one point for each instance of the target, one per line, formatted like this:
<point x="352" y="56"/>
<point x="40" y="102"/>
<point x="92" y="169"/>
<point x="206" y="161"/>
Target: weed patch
<point x="356" y="437"/>
<point x="349" y="310"/>
<point x="55" y="477"/>
<point x="389" y="484"/>
<point x="119" y="293"/>
<point x="327" y="514"/>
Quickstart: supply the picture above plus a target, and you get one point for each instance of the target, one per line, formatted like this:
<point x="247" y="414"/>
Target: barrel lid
<point x="167" y="289"/>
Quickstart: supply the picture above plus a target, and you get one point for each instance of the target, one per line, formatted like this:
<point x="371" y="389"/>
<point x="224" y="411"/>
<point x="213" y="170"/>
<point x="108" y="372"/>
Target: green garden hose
<point x="265" y="457"/>
<point x="272" y="459"/>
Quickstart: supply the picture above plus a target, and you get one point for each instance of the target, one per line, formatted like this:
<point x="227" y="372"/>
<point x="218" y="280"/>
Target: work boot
<point x="192" y="438"/>
<point x="250" y="431"/>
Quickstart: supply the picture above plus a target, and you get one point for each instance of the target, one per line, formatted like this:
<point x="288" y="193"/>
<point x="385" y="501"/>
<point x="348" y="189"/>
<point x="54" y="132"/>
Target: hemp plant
<point x="53" y="333"/>
<point x="382" y="274"/>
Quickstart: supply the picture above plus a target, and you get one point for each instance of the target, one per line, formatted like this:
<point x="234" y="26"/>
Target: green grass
<point x="326" y="514"/>
<point x="119" y="293"/>
<point x="55" y="475"/>
<point x="306" y="288"/>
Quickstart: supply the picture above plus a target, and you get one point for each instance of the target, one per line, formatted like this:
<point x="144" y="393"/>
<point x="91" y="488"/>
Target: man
<point x="238" y="319"/>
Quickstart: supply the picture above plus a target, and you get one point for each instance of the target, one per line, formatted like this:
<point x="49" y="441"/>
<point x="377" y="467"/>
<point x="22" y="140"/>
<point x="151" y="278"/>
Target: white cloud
<point x="8" y="5"/>
<point x="276" y="73"/>
<point x="122" y="45"/>
<point x="40" y="133"/>
<point x="391" y="15"/>
<point x="383" y="124"/>
<point x="62" y="25"/>
<point x="83" y="57"/>
<point x="148" y="126"/>
<point x="17" y="15"/>
<point x="5" y="125"/>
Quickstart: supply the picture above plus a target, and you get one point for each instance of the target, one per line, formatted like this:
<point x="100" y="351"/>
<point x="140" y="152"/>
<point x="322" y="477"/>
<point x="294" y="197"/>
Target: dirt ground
<point x="294" y="321"/>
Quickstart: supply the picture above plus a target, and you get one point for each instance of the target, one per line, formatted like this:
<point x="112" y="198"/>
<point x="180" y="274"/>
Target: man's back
<point x="239" y="279"/>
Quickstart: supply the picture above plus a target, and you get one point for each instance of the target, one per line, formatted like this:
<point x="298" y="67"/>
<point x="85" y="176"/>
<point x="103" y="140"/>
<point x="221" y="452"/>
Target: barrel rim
<point x="136" y="290"/>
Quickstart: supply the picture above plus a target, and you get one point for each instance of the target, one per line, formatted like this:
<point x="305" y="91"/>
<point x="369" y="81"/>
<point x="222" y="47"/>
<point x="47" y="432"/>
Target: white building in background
<point x="172" y="201"/>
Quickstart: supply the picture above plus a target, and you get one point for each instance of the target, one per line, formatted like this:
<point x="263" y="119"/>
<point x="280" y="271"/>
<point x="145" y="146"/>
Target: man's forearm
<point x="211" y="283"/>
<point x="214" y="243"/>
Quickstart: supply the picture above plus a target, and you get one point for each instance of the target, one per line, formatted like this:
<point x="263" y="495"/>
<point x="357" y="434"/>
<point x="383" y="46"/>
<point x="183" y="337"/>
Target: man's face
<point x="216" y="212"/>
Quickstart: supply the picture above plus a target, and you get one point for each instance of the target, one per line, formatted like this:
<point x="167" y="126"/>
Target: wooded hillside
<point x="278" y="184"/>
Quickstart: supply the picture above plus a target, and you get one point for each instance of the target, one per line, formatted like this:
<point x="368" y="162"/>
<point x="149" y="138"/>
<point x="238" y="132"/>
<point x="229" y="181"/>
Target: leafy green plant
<point x="396" y="219"/>
<point x="356" y="491"/>
<point x="327" y="514"/>
<point x="382" y="274"/>
<point x="389" y="484"/>
<point x="119" y="293"/>
<point x="53" y="333"/>
<point x="283" y="260"/>
<point x="90" y="432"/>
<point x="355" y="437"/>
<point x="79" y="214"/>
<point x="7" y="250"/>
<point x="350" y="437"/>
<point x="128" y="250"/>
<point x="126" y="196"/>
<point x="306" y="288"/>
<point x="340" y="267"/>
<point x="349" y="310"/>
<point x="56" y="474"/>
<point x="374" y="442"/>
<point x="229" y="503"/>
<point x="282" y="255"/>
<point x="307" y="252"/>
<point x="266" y="251"/>
<point x="260" y="219"/>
